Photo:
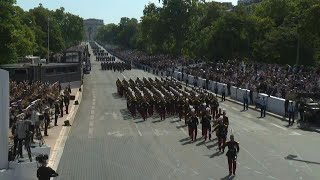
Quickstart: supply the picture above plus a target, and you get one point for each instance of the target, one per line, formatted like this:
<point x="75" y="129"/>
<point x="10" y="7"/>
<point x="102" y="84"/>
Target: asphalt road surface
<point x="106" y="143"/>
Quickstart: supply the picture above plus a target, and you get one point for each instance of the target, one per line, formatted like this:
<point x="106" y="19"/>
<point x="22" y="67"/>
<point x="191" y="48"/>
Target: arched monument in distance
<point x="4" y="118"/>
<point x="91" y="28"/>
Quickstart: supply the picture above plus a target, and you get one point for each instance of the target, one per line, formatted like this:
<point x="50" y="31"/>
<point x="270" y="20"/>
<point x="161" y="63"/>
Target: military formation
<point x="193" y="106"/>
<point x="115" y="66"/>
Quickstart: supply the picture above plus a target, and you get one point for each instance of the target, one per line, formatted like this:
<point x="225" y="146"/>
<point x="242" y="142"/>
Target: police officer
<point x="291" y="111"/>
<point x="245" y="101"/>
<point x="263" y="107"/>
<point x="193" y="122"/>
<point x="223" y="93"/>
<point x="233" y="150"/>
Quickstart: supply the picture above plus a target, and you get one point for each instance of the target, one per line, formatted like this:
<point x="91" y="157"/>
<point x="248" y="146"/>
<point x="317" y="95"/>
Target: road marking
<point x="182" y="129"/>
<point x="236" y="109"/>
<point x="248" y="115"/>
<point x="93" y="107"/>
<point x="302" y="158"/>
<point x="283" y="128"/>
<point x="114" y="115"/>
<point x="90" y="133"/>
<point x="91" y="117"/>
<point x="255" y="158"/>
<point x="271" y="177"/>
<point x="91" y="124"/>
<point x="92" y="111"/>
<point x="246" y="129"/>
<point x="140" y="134"/>
<point x="295" y="134"/>
<point x="194" y="172"/>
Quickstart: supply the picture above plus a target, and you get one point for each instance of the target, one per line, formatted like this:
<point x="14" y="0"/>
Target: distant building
<point x="91" y="27"/>
<point x="248" y="2"/>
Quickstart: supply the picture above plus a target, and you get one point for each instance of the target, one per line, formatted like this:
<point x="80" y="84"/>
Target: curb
<point x="57" y="151"/>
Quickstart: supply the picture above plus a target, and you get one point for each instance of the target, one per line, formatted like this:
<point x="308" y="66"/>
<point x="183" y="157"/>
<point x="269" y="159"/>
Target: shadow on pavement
<point x="116" y="96"/>
<point x="182" y="126"/>
<point x="213" y="145"/>
<point x="157" y="121"/>
<point x="187" y="142"/>
<point x="227" y="177"/>
<point x="293" y="158"/>
<point x="175" y="121"/>
<point x="184" y="139"/>
<point x="216" y="154"/>
<point x="200" y="143"/>
<point x="141" y="121"/>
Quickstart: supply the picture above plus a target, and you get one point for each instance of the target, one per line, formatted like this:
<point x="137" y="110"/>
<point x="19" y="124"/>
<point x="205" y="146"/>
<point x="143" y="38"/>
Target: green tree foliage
<point x="269" y="31"/>
<point x="25" y="32"/>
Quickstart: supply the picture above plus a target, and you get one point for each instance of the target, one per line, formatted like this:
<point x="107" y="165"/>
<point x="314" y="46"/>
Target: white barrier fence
<point x="274" y="104"/>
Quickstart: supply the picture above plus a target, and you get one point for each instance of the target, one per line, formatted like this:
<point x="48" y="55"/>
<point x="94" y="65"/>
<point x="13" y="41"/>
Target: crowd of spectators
<point x="283" y="81"/>
<point x="32" y="106"/>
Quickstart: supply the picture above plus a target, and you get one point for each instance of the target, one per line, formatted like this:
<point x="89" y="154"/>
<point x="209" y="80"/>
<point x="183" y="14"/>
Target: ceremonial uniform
<point x="193" y="130"/>
<point x="143" y="109"/>
<point x="162" y="110"/>
<point x="222" y="131"/>
<point x="206" y="126"/>
<point x="233" y="150"/>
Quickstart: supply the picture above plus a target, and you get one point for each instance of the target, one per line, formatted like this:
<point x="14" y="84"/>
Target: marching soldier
<point x="206" y="126"/>
<point x="232" y="153"/>
<point x="143" y="109"/>
<point x="162" y="109"/>
<point x="192" y="125"/>
<point x="186" y="110"/>
<point x="225" y="118"/>
<point x="221" y="131"/>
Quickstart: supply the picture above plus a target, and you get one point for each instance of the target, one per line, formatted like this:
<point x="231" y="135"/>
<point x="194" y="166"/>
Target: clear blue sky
<point x="109" y="10"/>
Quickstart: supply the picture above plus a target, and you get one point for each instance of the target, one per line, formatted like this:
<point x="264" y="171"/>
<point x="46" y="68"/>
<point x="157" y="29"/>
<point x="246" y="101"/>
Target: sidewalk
<point x="54" y="131"/>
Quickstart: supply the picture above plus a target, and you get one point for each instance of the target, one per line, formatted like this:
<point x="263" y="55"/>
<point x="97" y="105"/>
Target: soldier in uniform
<point x="192" y="125"/>
<point x="206" y="126"/>
<point x="225" y="118"/>
<point x="151" y="106"/>
<point x="186" y="107"/>
<point x="162" y="109"/>
<point x="233" y="150"/>
<point x="143" y="108"/>
<point x="180" y="107"/>
<point x="221" y="131"/>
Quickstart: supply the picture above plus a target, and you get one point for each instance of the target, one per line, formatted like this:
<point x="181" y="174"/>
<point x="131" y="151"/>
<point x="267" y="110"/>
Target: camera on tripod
<point x="42" y="158"/>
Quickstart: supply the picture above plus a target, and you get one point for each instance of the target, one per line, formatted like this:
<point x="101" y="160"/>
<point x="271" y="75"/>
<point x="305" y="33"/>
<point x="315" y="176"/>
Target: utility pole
<point x="48" y="39"/>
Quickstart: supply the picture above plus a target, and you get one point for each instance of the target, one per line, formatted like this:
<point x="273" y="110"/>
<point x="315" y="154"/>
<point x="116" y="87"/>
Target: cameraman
<point x="44" y="172"/>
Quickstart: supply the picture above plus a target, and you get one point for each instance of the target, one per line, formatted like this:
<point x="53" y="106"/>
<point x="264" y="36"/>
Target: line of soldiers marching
<point x="168" y="98"/>
<point x="115" y="66"/>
